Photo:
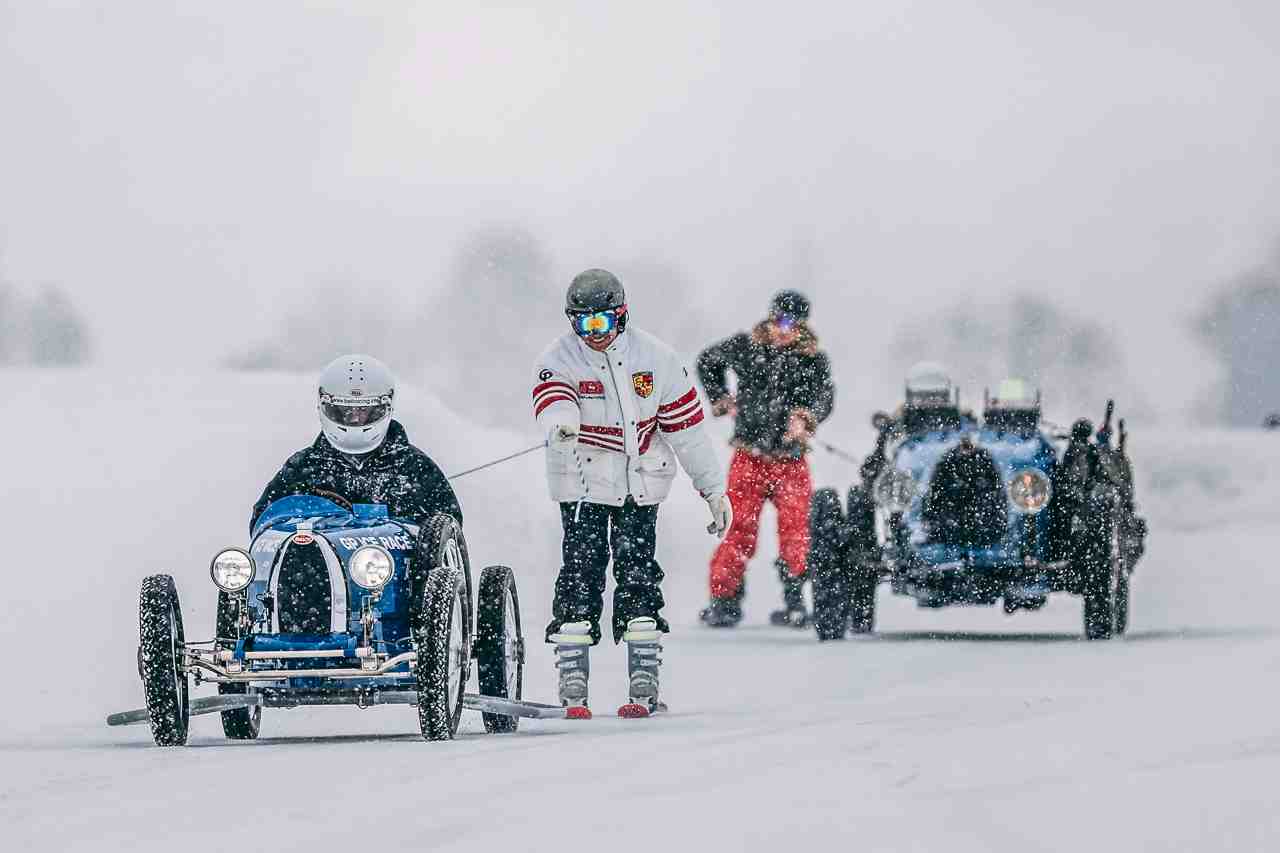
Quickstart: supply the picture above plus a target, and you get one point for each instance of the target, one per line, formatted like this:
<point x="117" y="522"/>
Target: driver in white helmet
<point x="362" y="454"/>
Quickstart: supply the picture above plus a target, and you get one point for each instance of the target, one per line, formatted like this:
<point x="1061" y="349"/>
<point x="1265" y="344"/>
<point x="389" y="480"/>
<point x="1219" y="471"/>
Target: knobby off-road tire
<point x="827" y="569"/>
<point x="160" y="661"/>
<point x="863" y="582"/>
<point x="238" y="723"/>
<point x="1106" y="587"/>
<point x="440" y="542"/>
<point x="499" y="644"/>
<point x="443" y="641"/>
<point x="862" y="548"/>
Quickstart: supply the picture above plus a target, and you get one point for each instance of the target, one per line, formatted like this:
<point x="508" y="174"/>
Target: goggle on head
<point x="597" y="324"/>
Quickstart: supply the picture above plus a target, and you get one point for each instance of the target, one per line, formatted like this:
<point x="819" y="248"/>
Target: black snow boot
<point x="792" y="613"/>
<point x="722" y="613"/>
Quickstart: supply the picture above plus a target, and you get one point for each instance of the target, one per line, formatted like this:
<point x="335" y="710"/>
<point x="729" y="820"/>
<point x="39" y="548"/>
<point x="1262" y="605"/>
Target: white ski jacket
<point x="636" y="411"/>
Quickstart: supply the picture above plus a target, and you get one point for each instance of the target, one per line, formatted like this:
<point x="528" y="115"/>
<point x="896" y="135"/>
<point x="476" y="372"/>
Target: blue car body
<point x="339" y="533"/>
<point x="938" y="573"/>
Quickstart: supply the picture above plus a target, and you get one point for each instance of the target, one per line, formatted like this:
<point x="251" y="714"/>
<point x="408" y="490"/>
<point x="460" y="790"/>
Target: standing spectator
<point x="784" y="391"/>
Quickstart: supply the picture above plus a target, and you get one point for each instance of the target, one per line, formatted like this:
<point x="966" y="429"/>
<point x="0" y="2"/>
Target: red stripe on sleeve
<point x="692" y="394"/>
<point x="677" y="416"/>
<point x="549" y="399"/>
<point x="559" y="386"/>
<point x="691" y="422"/>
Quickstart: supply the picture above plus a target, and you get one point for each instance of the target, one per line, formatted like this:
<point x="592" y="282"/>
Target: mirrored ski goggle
<point x="352" y="412"/>
<point x="597" y="324"/>
<point x="784" y="322"/>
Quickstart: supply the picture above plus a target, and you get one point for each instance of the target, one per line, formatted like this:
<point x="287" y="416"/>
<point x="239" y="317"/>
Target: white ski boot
<point x="644" y="647"/>
<point x="573" y="647"/>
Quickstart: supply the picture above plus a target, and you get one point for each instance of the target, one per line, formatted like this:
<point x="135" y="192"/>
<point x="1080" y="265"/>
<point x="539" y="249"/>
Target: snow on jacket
<point x="636" y="411"/>
<point x="773" y="382"/>
<point x="397" y="474"/>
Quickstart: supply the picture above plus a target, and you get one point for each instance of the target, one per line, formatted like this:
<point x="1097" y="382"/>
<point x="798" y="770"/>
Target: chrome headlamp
<point x="894" y="490"/>
<point x="1029" y="490"/>
<point x="371" y="567"/>
<point x="232" y="570"/>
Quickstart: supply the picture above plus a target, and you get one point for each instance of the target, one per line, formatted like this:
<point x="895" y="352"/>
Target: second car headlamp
<point x="371" y="567"/>
<point x="232" y="570"/>
<point x="1030" y="490"/>
<point x="894" y="490"/>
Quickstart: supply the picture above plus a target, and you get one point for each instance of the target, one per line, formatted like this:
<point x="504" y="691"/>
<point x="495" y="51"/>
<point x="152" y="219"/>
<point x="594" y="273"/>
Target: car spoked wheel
<point x="160" y="661"/>
<point x="831" y="588"/>
<point x="1106" y="593"/>
<point x="1121" y="620"/>
<point x="499" y="644"/>
<point x="443" y="641"/>
<point x="238" y="723"/>
<point x="862" y="605"/>
<point x="440" y="543"/>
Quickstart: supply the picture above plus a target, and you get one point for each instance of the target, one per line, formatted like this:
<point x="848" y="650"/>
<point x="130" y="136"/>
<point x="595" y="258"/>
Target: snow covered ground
<point x="956" y="730"/>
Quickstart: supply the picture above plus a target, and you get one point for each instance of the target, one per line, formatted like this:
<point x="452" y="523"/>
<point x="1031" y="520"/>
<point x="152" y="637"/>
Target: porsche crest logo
<point x="643" y="383"/>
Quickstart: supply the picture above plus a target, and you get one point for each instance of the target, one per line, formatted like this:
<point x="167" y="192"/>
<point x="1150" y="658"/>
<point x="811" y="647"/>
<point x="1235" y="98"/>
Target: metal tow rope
<point x="525" y="452"/>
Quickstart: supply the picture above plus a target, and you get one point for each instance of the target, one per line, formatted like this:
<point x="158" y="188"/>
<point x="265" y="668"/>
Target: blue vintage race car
<point x="957" y="510"/>
<point x="338" y="604"/>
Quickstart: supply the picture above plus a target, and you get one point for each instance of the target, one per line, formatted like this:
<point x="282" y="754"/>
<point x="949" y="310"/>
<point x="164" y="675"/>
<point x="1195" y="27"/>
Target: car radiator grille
<point x="304" y="601"/>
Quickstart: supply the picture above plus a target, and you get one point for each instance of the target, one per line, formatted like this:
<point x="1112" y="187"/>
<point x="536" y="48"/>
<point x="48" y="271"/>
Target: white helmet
<point x="928" y="384"/>
<point x="355" y="405"/>
<point x="1015" y="393"/>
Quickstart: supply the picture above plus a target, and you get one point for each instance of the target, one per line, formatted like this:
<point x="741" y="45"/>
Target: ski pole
<point x="586" y="490"/>
<point x="525" y="452"/>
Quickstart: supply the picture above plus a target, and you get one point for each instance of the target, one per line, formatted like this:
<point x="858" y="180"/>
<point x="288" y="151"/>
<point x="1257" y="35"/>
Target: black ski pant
<point x="593" y="533"/>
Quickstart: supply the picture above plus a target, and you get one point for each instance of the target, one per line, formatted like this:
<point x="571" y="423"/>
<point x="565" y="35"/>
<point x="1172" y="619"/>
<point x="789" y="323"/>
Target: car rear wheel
<point x="440" y="541"/>
<point x="862" y="606"/>
<point x="443" y="641"/>
<point x="831" y="588"/>
<point x="1106" y="585"/>
<point x="238" y="723"/>
<point x="499" y="644"/>
<point x="160" y="653"/>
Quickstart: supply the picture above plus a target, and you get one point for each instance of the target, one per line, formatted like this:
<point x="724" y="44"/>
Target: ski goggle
<point x="599" y="323"/>
<point x="784" y="322"/>
<point x="352" y="412"/>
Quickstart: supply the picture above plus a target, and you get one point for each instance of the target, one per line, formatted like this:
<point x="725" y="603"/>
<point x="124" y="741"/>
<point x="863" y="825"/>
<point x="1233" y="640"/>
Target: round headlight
<point x="894" y="490"/>
<point x="1029" y="490"/>
<point x="232" y="570"/>
<point x="371" y="567"/>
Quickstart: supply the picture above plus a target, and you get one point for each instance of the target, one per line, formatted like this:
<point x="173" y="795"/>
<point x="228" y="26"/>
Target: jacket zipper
<point x="622" y="413"/>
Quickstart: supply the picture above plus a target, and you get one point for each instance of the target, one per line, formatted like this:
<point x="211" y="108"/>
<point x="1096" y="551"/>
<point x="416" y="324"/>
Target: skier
<point x="784" y="392"/>
<point x="362" y="454"/>
<point x="618" y="410"/>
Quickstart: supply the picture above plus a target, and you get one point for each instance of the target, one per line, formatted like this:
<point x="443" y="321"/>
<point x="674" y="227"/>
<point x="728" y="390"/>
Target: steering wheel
<point x="333" y="496"/>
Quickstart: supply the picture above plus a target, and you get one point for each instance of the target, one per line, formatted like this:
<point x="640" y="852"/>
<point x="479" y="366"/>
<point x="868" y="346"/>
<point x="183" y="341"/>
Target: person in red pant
<point x="784" y="391"/>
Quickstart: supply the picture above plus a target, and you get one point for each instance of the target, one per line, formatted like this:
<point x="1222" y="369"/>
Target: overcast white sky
<point x="203" y="164"/>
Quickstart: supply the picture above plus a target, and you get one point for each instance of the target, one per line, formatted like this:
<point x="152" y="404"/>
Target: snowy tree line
<point x="1241" y="326"/>
<point x="501" y="281"/>
<point x="43" y="328"/>
<point x="501" y="292"/>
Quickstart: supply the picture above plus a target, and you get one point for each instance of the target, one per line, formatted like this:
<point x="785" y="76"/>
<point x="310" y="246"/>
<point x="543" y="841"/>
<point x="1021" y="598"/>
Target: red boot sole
<point x="577" y="713"/>
<point x="632" y="711"/>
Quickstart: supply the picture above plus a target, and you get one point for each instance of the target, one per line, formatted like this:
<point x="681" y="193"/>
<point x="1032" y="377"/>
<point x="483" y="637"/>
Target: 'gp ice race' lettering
<point x="391" y="543"/>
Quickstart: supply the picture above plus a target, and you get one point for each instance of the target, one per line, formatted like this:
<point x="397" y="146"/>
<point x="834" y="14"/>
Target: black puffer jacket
<point x="397" y="474"/>
<point x="772" y="383"/>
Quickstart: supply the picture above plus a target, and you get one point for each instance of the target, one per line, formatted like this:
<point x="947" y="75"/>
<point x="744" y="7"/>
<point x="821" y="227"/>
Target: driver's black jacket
<point x="397" y="474"/>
